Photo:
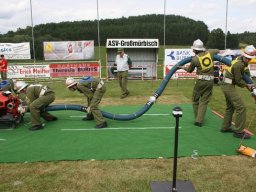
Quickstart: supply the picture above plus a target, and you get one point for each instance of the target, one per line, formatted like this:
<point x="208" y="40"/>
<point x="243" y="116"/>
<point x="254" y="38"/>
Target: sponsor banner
<point x="179" y="73"/>
<point x="172" y="57"/>
<point x="69" y="50"/>
<point x="132" y="43"/>
<point x="28" y="71"/>
<point x="75" y="69"/>
<point x="15" y="50"/>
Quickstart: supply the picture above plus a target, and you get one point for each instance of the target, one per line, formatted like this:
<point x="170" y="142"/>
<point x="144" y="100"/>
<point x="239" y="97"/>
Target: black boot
<point x="102" y="125"/>
<point x="88" y="118"/>
<point x="36" y="127"/>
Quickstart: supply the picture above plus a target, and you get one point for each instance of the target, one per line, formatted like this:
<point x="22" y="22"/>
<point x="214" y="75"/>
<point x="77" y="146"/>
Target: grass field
<point x="208" y="174"/>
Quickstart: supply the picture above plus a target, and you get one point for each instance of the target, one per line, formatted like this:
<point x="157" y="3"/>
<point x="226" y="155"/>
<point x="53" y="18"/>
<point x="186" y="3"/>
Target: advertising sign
<point x="75" y="69"/>
<point x="28" y="71"/>
<point x="132" y="43"/>
<point x="172" y="57"/>
<point x="69" y="50"/>
<point x="15" y="50"/>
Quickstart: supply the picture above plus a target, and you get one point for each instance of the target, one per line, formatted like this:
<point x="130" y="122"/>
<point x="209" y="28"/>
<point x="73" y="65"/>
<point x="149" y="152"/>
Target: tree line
<point x="179" y="30"/>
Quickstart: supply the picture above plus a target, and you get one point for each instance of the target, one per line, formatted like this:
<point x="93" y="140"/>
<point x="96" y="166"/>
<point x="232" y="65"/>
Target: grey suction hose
<point x="151" y="101"/>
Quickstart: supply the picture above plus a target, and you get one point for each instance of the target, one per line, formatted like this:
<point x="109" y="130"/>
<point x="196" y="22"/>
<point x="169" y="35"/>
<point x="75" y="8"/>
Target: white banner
<point x="28" y="71"/>
<point x="132" y="43"/>
<point x="15" y="50"/>
<point x="172" y="57"/>
<point x="69" y="50"/>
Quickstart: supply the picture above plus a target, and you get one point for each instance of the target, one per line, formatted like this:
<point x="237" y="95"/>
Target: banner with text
<point x="15" y="50"/>
<point x="132" y="43"/>
<point x="28" y="71"/>
<point x="172" y="57"/>
<point x="69" y="50"/>
<point x="75" y="69"/>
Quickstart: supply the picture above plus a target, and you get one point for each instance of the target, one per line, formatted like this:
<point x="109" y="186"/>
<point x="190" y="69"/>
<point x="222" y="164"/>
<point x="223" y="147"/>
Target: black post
<point x="177" y="113"/>
<point x="174" y="186"/>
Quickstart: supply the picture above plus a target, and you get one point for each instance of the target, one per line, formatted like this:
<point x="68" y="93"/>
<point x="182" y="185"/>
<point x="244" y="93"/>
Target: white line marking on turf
<point x="2" y="139"/>
<point x="126" y="114"/>
<point x="126" y="128"/>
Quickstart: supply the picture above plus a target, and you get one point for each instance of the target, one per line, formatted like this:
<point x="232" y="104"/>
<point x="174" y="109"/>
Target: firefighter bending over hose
<point x="37" y="97"/>
<point x="93" y="88"/>
<point x="232" y="77"/>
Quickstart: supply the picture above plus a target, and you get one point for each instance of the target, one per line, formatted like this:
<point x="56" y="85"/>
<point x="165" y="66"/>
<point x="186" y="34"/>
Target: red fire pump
<point x="9" y="109"/>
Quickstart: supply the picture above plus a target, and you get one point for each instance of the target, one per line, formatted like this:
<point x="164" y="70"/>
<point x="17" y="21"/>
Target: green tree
<point x="232" y="41"/>
<point x="216" y="39"/>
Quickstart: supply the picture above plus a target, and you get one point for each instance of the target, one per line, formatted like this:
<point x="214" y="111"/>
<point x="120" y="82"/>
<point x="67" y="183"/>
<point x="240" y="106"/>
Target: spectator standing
<point x="3" y="67"/>
<point x="123" y="64"/>
<point x="203" y="62"/>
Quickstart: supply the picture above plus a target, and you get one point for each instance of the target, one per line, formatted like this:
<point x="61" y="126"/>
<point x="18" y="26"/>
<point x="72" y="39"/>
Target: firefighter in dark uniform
<point x="232" y="77"/>
<point x="203" y="62"/>
<point x="37" y="98"/>
<point x="93" y="88"/>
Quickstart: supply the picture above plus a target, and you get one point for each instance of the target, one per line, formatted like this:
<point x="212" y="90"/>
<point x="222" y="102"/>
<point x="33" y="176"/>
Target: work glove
<point x="21" y="109"/>
<point x="88" y="109"/>
<point x="251" y="87"/>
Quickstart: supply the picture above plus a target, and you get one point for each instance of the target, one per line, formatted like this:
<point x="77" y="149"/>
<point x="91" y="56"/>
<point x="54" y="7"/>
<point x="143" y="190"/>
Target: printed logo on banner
<point x="171" y="55"/>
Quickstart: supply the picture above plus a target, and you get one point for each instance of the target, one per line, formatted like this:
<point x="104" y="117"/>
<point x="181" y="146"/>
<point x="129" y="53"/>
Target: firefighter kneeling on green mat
<point x="93" y="88"/>
<point x="36" y="98"/>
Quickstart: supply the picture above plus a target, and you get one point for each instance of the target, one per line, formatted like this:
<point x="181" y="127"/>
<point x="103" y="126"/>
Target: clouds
<point x="16" y="13"/>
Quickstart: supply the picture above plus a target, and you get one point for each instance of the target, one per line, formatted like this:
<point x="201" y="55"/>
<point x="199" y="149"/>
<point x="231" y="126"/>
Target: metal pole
<point x="32" y="31"/>
<point x="164" y="21"/>
<point x="177" y="113"/>
<point x="98" y="24"/>
<point x="226" y="24"/>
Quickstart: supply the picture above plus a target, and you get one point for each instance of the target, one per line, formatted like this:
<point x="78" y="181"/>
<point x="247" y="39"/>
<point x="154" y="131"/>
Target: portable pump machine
<point x="10" y="109"/>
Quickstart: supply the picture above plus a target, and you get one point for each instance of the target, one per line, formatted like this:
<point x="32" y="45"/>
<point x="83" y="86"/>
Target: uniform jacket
<point x="88" y="88"/>
<point x="237" y="71"/>
<point x="195" y="62"/>
<point x="34" y="91"/>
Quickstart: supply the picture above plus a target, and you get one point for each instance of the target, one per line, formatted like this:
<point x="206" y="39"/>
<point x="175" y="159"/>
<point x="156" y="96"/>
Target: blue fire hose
<point x="152" y="99"/>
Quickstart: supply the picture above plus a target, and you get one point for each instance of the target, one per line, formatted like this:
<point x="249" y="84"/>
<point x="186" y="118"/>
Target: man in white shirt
<point x="123" y="64"/>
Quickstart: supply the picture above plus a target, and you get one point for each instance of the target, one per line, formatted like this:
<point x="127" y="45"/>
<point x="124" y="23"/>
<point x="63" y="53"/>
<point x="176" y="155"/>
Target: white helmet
<point x="198" y="45"/>
<point x="19" y="85"/>
<point x="70" y="82"/>
<point x="249" y="52"/>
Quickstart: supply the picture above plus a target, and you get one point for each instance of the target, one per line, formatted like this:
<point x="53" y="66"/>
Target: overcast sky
<point x="16" y="14"/>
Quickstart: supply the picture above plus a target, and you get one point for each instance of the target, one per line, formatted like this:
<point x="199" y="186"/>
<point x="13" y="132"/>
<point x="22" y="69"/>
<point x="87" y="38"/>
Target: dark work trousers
<point x="37" y="105"/>
<point x="234" y="104"/>
<point x="123" y="80"/>
<point x="201" y="96"/>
